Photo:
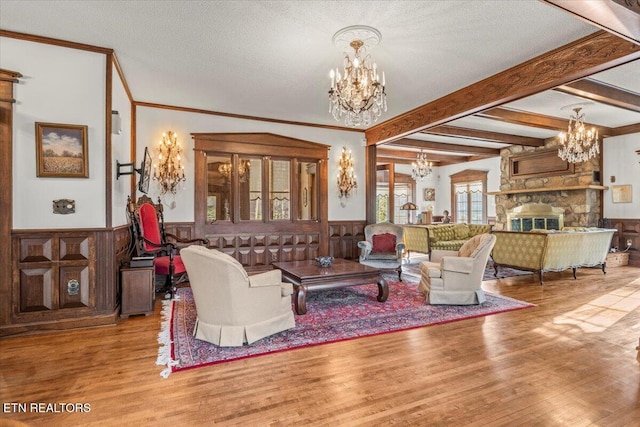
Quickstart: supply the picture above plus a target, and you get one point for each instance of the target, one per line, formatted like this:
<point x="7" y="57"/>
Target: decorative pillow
<point x="383" y="243"/>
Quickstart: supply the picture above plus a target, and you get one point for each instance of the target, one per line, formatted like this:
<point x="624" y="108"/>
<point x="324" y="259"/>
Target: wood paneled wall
<point x="344" y="237"/>
<point x="64" y="279"/>
<point x="260" y="250"/>
<point x="628" y="229"/>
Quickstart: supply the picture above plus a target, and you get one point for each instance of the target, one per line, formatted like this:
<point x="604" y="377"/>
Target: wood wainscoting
<point x="259" y="251"/>
<point x="63" y="279"/>
<point x="628" y="229"/>
<point x="344" y="237"/>
<point x="69" y="278"/>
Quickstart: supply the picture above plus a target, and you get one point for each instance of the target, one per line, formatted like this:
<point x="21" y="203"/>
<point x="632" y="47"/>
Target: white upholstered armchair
<point x="383" y="247"/>
<point x="455" y="277"/>
<point x="232" y="307"/>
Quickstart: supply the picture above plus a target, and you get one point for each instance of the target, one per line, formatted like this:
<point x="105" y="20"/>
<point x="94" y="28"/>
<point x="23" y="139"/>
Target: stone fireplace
<point x="536" y="175"/>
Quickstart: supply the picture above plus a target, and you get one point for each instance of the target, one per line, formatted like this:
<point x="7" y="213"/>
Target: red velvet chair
<point x="150" y="238"/>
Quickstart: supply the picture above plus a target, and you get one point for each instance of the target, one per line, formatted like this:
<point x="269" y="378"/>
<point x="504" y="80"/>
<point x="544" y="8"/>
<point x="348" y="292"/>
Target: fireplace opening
<point x="535" y="216"/>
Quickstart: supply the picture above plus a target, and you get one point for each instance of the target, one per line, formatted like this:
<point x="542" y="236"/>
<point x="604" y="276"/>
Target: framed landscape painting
<point x="61" y="150"/>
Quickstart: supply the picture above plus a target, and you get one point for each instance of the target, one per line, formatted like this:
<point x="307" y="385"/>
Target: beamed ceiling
<point x="464" y="79"/>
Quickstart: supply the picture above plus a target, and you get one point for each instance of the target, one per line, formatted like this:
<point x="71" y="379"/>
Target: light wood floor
<point x="570" y="361"/>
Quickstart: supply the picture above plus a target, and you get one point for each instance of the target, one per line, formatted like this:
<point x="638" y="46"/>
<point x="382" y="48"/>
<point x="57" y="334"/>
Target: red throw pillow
<point x="384" y="242"/>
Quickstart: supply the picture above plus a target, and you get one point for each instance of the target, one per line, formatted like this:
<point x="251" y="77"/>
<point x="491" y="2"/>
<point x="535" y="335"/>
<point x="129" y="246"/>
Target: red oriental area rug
<point x="332" y="315"/>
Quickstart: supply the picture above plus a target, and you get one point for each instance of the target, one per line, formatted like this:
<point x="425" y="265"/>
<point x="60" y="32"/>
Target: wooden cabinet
<point x="54" y="275"/>
<point x="57" y="282"/>
<point x="138" y="291"/>
<point x="261" y="198"/>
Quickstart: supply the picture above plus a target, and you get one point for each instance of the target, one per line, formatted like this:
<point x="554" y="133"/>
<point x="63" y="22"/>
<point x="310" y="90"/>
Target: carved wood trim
<point x="589" y="55"/>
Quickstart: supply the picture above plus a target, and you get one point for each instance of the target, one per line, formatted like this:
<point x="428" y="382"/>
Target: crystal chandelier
<point x="243" y="171"/>
<point x="578" y="144"/>
<point x="346" y="175"/>
<point x="169" y="171"/>
<point x="421" y="167"/>
<point x="358" y="93"/>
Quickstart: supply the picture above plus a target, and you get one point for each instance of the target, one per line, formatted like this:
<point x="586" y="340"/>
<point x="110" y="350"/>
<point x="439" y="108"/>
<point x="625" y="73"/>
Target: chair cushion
<point x="149" y="226"/>
<point x="385" y="242"/>
<point x="161" y="265"/>
<point x="461" y="231"/>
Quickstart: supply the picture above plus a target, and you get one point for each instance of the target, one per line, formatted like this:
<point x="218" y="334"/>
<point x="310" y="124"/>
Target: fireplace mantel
<point x="547" y="189"/>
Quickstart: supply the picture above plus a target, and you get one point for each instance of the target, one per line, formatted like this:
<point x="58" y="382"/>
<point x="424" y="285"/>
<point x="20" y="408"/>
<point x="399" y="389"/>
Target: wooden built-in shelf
<point x="546" y="189"/>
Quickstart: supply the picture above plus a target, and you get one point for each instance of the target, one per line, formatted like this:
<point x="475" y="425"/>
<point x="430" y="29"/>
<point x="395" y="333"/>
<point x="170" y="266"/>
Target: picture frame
<point x="61" y="150"/>
<point x="429" y="194"/>
<point x="621" y="193"/>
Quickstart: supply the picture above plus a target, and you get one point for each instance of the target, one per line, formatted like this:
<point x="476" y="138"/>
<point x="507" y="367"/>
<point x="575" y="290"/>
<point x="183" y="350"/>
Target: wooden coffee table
<point x="307" y="275"/>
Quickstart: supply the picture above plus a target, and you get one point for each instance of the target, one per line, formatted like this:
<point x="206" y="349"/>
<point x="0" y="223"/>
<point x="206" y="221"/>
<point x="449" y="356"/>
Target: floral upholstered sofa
<point x="449" y="237"/>
<point x="542" y="250"/>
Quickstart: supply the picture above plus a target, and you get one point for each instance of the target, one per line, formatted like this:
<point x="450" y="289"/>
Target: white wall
<point x="121" y="151"/>
<point x="620" y="160"/>
<point x="152" y="122"/>
<point x="59" y="85"/>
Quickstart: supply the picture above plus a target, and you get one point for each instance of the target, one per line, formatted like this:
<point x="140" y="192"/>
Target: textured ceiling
<point x="271" y="58"/>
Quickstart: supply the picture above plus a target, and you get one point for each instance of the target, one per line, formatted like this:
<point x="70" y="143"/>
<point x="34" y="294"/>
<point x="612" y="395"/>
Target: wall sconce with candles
<point x="169" y="171"/>
<point x="346" y="174"/>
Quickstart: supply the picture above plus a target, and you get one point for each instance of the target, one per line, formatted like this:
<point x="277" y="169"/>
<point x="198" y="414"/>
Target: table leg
<point x="383" y="290"/>
<point x="300" y="299"/>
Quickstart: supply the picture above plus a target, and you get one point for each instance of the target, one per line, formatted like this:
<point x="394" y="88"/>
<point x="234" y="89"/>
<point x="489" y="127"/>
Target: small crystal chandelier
<point x="578" y="144"/>
<point x="243" y="171"/>
<point x="358" y="93"/>
<point x="346" y="174"/>
<point x="169" y="171"/>
<point x="422" y="168"/>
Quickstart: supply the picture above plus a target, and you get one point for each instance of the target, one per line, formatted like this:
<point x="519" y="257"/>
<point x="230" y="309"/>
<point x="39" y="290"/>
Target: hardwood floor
<point x="569" y="361"/>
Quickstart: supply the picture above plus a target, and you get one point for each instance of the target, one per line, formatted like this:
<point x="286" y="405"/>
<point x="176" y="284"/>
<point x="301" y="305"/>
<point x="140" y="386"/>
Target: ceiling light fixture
<point x="358" y="93"/>
<point x="578" y="144"/>
<point x="422" y="167"/>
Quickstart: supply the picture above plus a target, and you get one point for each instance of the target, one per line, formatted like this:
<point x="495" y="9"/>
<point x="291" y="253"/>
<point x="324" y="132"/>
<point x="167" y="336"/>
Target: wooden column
<point x="7" y="80"/>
